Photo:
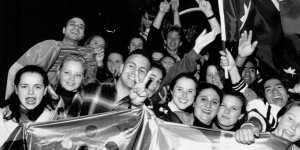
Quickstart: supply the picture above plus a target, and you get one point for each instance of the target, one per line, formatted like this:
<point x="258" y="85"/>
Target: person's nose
<point x="226" y="111"/>
<point x="275" y="91"/>
<point x="184" y="94"/>
<point x="208" y="104"/>
<point x="30" y="91"/>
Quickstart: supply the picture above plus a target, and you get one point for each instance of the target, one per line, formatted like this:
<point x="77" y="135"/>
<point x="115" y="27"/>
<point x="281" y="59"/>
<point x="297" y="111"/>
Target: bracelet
<point x="210" y="17"/>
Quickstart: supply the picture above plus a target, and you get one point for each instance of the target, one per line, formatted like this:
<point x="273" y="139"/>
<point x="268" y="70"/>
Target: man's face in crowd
<point x="74" y="30"/>
<point x="289" y="124"/>
<point x="156" y="77"/>
<point x="173" y="41"/>
<point x="114" y="63"/>
<point x="275" y="92"/>
<point x="249" y="73"/>
<point x="135" y="68"/>
<point x="135" y="43"/>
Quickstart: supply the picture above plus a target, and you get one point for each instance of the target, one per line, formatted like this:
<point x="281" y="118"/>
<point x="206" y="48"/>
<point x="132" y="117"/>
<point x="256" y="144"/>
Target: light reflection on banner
<point x="135" y="129"/>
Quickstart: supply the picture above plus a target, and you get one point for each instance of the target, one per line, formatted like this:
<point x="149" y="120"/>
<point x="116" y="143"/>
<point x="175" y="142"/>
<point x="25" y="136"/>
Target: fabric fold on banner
<point x="137" y="129"/>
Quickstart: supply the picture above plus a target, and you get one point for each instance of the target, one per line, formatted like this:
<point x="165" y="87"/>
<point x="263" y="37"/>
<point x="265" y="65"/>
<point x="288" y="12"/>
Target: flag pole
<point x="223" y="31"/>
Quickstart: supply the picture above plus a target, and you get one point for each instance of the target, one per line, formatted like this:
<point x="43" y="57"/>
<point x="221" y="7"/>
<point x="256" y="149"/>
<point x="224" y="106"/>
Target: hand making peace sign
<point x="139" y="92"/>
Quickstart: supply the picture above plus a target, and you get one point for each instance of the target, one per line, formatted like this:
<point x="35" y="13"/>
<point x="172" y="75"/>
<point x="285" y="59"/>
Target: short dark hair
<point x="160" y="67"/>
<point x="240" y="96"/>
<point x="141" y="52"/>
<point x="33" y="69"/>
<point x="182" y="75"/>
<point x="88" y="41"/>
<point x="138" y="37"/>
<point x="205" y="85"/>
<point x="175" y="29"/>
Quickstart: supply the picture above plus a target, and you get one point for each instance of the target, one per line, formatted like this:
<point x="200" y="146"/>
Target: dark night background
<point x="27" y="22"/>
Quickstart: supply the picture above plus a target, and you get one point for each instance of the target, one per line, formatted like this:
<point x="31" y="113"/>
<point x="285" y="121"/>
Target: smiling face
<point x="74" y="30"/>
<point x="289" y="123"/>
<point x="173" y="41"/>
<point x="135" y="68"/>
<point x="30" y="90"/>
<point x="275" y="92"/>
<point x="206" y="105"/>
<point x="97" y="43"/>
<point x="71" y="75"/>
<point x="184" y="93"/>
<point x="230" y="111"/>
<point x="249" y="73"/>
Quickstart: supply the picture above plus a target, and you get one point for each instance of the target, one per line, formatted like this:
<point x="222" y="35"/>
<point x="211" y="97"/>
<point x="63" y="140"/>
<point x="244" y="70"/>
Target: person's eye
<point x="78" y="75"/>
<point x="235" y="109"/>
<point x="81" y="27"/>
<point x="130" y="65"/>
<point x="267" y="90"/>
<point x="280" y="87"/>
<point x="39" y="87"/>
<point x="66" y="72"/>
<point x="142" y="71"/>
<point x="289" y="118"/>
<point x="215" y="102"/>
<point x="23" y="86"/>
<point x="191" y="91"/>
<point x="179" y="89"/>
<point x="203" y="99"/>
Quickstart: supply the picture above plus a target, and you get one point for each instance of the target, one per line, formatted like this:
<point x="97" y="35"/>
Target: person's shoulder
<point x="50" y="41"/>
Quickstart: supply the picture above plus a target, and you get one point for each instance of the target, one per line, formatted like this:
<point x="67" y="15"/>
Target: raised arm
<point x="188" y="63"/>
<point x="164" y="7"/>
<point x="246" y="48"/>
<point x="176" y="17"/>
<point x="206" y="8"/>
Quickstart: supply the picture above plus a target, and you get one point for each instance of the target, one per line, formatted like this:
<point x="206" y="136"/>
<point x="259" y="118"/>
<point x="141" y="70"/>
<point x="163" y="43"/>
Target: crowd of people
<point x="56" y="80"/>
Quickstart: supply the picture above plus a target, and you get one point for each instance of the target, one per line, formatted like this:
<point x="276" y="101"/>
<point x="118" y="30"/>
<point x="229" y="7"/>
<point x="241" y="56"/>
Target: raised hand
<point x="99" y="56"/>
<point x="204" y="39"/>
<point x="227" y="60"/>
<point x="205" y="7"/>
<point x="246" y="48"/>
<point x="175" y="5"/>
<point x="164" y="7"/>
<point x="139" y="93"/>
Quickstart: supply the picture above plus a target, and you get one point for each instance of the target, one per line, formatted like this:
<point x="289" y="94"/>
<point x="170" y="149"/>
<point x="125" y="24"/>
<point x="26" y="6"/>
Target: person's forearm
<point x="239" y="61"/>
<point x="158" y="20"/>
<point x="234" y="75"/>
<point x="213" y="22"/>
<point x="176" y="18"/>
